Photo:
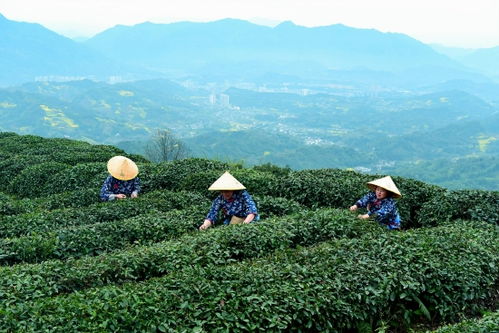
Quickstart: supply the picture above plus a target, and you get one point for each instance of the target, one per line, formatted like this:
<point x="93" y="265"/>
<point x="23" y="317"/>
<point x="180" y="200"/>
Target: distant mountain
<point x="226" y="45"/>
<point x="485" y="60"/>
<point x="225" y="50"/>
<point x="488" y="91"/>
<point x="452" y="52"/>
<point x="29" y="51"/>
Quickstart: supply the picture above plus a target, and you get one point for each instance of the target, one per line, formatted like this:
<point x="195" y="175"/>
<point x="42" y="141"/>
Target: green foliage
<point x="218" y="246"/>
<point x="7" y="134"/>
<point x="325" y="187"/>
<point x="98" y="237"/>
<point x="332" y="287"/>
<point x="489" y="323"/>
<point x="172" y="175"/>
<point x="79" y="177"/>
<point x="258" y="182"/>
<point x="294" y="270"/>
<point x="32" y="181"/>
<point x="472" y="205"/>
<point x="82" y="197"/>
<point x="273" y="169"/>
<point x="10" y="206"/>
<point x="274" y="206"/>
<point x="60" y="150"/>
<point x="43" y="221"/>
<point x="12" y="166"/>
<point x="415" y="194"/>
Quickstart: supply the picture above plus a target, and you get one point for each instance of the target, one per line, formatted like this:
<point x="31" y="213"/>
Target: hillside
<point x="309" y="264"/>
<point x="382" y="132"/>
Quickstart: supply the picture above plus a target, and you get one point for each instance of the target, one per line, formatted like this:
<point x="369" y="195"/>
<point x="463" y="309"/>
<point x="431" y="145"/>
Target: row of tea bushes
<point x="427" y="275"/>
<point x="10" y="205"/>
<point x="99" y="238"/>
<point x="311" y="188"/>
<point x="20" y="152"/>
<point x="474" y="205"/>
<point x="489" y="323"/>
<point x="43" y="221"/>
<point x="60" y="150"/>
<point x="102" y="229"/>
<point x="218" y="246"/>
<point x="420" y="205"/>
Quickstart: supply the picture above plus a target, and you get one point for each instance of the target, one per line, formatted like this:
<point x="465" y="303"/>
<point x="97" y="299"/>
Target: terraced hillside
<point x="70" y="263"/>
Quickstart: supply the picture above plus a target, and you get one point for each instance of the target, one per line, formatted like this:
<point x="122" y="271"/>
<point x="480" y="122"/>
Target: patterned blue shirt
<point x="241" y="204"/>
<point x="113" y="186"/>
<point x="384" y="210"/>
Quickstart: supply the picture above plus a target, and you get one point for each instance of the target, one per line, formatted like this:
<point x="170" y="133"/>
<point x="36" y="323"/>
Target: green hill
<point x="381" y="133"/>
<point x="69" y="263"/>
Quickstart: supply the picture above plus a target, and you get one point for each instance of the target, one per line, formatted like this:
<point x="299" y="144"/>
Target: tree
<point x="164" y="146"/>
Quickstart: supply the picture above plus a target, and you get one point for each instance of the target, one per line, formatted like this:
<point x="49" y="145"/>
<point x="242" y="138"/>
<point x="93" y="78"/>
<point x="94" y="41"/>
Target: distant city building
<point x="224" y="100"/>
<point x="220" y="99"/>
<point x="213" y="99"/>
<point x="60" y="78"/>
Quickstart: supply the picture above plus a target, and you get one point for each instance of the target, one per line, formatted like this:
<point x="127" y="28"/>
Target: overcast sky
<point x="461" y="23"/>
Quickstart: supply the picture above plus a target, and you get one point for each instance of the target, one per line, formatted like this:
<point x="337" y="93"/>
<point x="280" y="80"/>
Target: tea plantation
<point x="69" y="263"/>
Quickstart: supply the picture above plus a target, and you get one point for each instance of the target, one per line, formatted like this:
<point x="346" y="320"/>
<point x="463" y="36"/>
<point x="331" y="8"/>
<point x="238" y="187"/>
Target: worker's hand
<point x="133" y="195"/>
<point x="120" y="196"/>
<point x="363" y="216"/>
<point x="249" y="218"/>
<point x="353" y="208"/>
<point x="206" y="224"/>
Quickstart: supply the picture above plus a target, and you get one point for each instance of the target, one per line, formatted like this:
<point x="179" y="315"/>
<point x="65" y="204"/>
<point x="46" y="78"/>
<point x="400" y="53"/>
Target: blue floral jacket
<point x="241" y="204"/>
<point x="384" y="210"/>
<point x="113" y="186"/>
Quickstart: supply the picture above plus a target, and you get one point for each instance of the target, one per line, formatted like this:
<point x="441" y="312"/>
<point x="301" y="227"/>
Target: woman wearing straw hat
<point x="380" y="203"/>
<point x="123" y="181"/>
<point x="234" y="201"/>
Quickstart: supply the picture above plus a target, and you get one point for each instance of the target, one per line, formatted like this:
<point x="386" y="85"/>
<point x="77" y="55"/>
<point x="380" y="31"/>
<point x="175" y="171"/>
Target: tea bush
<point x="31" y="181"/>
<point x="98" y="237"/>
<point x="61" y="150"/>
<point x="43" y="221"/>
<point x="217" y="246"/>
<point x="337" y="286"/>
<point x="475" y="205"/>
<point x="11" y="206"/>
<point x="78" y="177"/>
<point x="274" y="206"/>
<point x="489" y="323"/>
<point x="171" y="175"/>
<point x="72" y="199"/>
<point x="11" y="167"/>
<point x="415" y="194"/>
<point x="323" y="188"/>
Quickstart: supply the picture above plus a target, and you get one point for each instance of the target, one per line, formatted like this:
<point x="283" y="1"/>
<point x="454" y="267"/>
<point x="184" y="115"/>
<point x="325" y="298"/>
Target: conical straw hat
<point x="122" y="168"/>
<point x="386" y="183"/>
<point x="226" y="182"/>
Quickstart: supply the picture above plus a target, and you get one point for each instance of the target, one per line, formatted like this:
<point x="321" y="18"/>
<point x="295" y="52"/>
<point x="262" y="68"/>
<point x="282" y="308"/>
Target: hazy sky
<point x="462" y="23"/>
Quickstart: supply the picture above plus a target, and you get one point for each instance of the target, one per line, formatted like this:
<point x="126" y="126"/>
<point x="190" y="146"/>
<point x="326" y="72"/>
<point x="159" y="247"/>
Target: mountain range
<point x="323" y="97"/>
<point x="229" y="49"/>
